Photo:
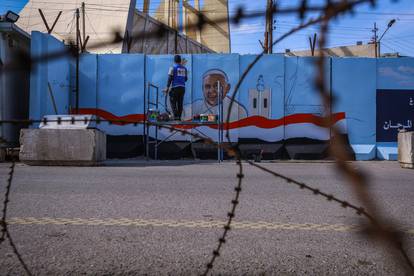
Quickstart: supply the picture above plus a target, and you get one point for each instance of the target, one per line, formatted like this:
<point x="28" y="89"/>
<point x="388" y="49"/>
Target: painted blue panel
<point x="207" y="70"/>
<point x="88" y="73"/>
<point x="37" y="76"/>
<point x="354" y="90"/>
<point x="216" y="65"/>
<point x="58" y="77"/>
<point x="395" y="73"/>
<point x="262" y="93"/>
<point x="121" y="89"/>
<point x="302" y="97"/>
<point x="52" y="71"/>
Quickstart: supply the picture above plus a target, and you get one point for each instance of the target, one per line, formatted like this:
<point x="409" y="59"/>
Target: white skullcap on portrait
<point x="216" y="72"/>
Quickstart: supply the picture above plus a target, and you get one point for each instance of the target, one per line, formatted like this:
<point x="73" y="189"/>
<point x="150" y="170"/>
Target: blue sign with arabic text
<point x="395" y="112"/>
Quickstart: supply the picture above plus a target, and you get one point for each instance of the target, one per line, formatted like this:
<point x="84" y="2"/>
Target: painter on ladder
<point x="177" y="77"/>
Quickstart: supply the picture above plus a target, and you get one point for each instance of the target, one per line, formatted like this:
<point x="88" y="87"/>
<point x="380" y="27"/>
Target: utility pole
<point x="375" y="38"/>
<point x="77" y="62"/>
<point x="270" y="30"/>
<point x="268" y="38"/>
<point x="266" y="33"/>
<point x="83" y="23"/>
<point x="146" y="6"/>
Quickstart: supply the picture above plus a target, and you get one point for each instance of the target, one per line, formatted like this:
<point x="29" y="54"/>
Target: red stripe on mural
<point x="116" y="120"/>
<point x="257" y="121"/>
<point x="262" y="122"/>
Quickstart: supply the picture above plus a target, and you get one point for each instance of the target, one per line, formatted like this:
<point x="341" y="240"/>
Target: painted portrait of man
<point x="212" y="81"/>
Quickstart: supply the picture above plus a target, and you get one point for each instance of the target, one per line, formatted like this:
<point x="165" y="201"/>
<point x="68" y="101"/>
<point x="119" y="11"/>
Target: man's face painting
<point x="210" y="88"/>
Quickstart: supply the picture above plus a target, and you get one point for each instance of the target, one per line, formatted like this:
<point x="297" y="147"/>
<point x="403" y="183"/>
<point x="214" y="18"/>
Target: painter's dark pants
<point x="176" y="100"/>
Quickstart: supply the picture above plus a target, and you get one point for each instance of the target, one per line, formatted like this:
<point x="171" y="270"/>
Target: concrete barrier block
<point x="364" y="151"/>
<point x="62" y="147"/>
<point x="406" y="149"/>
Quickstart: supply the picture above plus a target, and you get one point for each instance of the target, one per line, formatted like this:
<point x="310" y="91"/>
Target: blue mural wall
<point x="277" y="101"/>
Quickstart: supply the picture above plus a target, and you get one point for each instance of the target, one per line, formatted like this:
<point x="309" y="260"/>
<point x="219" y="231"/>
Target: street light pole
<point x="392" y="21"/>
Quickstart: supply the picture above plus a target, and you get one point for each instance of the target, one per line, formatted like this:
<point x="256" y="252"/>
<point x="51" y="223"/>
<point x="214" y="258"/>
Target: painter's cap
<point x="177" y="59"/>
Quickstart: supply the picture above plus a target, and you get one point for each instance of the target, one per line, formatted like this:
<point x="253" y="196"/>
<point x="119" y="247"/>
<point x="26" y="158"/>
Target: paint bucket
<point x="196" y="118"/>
<point x="203" y="118"/>
<point x="212" y="117"/>
<point x="152" y="115"/>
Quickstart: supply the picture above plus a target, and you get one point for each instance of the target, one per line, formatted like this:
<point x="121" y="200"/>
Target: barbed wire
<point x="380" y="228"/>
<point x="386" y="232"/>
<point x="232" y="152"/>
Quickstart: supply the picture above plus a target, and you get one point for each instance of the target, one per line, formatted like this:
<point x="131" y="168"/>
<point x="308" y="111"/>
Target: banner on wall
<point x="395" y="112"/>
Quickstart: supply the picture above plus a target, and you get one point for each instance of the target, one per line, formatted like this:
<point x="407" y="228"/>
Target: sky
<point x="346" y="30"/>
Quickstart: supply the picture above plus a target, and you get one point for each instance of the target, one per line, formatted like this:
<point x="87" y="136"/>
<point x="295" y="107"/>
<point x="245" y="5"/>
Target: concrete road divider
<point x="406" y="149"/>
<point x="62" y="147"/>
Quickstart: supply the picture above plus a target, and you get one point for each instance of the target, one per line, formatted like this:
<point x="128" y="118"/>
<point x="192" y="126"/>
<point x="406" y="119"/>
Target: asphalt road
<point x="165" y="218"/>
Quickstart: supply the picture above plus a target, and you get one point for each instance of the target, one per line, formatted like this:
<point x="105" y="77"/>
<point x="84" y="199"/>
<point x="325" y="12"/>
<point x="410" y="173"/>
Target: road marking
<point x="247" y="225"/>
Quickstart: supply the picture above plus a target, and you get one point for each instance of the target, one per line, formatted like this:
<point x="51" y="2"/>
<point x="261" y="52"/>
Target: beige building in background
<point x="215" y="33"/>
<point x="360" y="50"/>
<point x="102" y="17"/>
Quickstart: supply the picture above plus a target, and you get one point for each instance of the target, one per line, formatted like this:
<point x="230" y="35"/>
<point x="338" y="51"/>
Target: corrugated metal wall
<point x="170" y="43"/>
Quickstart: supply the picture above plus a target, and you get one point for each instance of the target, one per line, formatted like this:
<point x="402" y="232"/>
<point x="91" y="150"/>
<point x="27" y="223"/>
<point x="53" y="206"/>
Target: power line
<point x="399" y="45"/>
<point x="387" y="13"/>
